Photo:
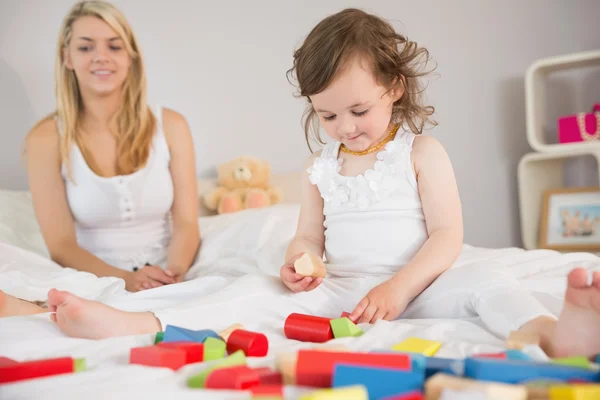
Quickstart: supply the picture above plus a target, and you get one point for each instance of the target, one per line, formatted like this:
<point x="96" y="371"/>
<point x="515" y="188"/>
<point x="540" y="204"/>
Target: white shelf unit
<point x="539" y="172"/>
<point x="544" y="169"/>
<point x="535" y="97"/>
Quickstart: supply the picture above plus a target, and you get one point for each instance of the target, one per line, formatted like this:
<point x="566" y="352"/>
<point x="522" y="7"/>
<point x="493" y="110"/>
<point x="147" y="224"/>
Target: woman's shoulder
<point x="44" y="133"/>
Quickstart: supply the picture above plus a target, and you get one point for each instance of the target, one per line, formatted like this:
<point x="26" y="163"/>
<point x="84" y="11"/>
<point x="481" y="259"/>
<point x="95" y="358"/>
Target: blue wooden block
<point x="177" y="334"/>
<point x="519" y="371"/>
<point x="517" y="355"/>
<point x="380" y="382"/>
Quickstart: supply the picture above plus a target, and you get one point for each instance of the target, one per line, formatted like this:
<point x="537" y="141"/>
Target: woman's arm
<point x="443" y="217"/>
<point x="185" y="240"/>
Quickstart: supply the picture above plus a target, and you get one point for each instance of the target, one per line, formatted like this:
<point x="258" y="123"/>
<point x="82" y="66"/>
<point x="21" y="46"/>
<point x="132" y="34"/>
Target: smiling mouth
<point x="102" y="73"/>
<point x="354" y="137"/>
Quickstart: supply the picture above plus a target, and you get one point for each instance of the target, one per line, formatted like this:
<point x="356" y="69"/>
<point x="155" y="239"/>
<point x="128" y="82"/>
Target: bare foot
<point x="89" y="319"/>
<point x="10" y="306"/>
<point x="578" y="327"/>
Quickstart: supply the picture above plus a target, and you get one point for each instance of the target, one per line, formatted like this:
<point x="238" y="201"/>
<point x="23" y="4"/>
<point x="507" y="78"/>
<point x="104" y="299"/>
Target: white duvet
<point x="241" y="255"/>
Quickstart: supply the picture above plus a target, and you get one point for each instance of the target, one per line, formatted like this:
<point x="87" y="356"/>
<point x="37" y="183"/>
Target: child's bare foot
<point x="88" y="319"/>
<point x="577" y="331"/>
<point x="10" y="306"/>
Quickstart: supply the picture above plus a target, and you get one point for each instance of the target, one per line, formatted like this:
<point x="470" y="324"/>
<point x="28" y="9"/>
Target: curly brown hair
<point x="393" y="58"/>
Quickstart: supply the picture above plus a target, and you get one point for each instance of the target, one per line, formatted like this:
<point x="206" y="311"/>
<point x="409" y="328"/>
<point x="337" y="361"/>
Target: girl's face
<point x="354" y="109"/>
<point x="98" y="56"/>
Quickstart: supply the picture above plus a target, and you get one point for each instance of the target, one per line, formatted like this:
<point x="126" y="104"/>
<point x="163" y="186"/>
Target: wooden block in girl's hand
<point x="518" y="340"/>
<point x="310" y="265"/>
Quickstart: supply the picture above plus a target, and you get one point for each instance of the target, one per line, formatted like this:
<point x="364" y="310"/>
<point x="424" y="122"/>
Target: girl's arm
<point x="310" y="234"/>
<point x="185" y="241"/>
<point x="42" y="150"/>
<point x="443" y="217"/>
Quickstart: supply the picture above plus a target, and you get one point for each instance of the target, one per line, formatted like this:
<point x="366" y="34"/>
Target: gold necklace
<point x="374" y="148"/>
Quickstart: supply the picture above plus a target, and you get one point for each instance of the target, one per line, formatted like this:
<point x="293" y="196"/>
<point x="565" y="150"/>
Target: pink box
<point x="571" y="128"/>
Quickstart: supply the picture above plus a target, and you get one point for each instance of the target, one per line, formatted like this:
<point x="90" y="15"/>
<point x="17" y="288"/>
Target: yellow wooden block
<point x="575" y="392"/>
<point x="416" y="345"/>
<point x="357" y="392"/>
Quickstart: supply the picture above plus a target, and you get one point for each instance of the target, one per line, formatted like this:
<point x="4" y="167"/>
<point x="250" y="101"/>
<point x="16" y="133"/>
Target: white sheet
<point x="241" y="256"/>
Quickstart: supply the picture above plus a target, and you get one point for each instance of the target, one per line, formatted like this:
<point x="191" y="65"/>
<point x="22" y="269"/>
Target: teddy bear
<point x="243" y="182"/>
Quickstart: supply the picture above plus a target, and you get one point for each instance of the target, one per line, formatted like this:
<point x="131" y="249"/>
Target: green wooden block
<point x="579" y="362"/>
<point x="198" y="381"/>
<point x="159" y="337"/>
<point x="343" y="327"/>
<point x="214" y="349"/>
<point x="79" y="364"/>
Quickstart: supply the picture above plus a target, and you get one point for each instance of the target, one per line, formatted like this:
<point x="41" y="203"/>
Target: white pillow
<point x="240" y="242"/>
<point x="18" y="224"/>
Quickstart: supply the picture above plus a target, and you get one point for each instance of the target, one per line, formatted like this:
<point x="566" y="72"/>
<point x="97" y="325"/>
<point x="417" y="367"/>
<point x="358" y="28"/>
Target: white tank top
<point x="124" y="220"/>
<point x="374" y="222"/>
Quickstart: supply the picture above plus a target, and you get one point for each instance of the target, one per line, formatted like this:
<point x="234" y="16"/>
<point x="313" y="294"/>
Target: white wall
<point x="222" y="64"/>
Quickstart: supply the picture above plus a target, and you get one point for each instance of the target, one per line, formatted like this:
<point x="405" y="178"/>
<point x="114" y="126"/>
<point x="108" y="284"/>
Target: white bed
<point x="241" y="255"/>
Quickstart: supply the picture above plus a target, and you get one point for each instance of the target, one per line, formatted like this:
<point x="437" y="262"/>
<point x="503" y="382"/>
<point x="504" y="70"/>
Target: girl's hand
<point x="385" y="301"/>
<point x="294" y="281"/>
<point x="177" y="273"/>
<point x="147" y="277"/>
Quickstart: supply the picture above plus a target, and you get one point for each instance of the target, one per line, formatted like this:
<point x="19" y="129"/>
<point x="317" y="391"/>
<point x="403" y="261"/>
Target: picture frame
<point x="570" y="219"/>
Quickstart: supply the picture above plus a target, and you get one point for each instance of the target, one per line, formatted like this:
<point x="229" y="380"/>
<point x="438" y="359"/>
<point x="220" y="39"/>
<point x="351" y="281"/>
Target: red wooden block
<point x="239" y="377"/>
<point x="5" y="361"/>
<point x="36" y="369"/>
<point x="267" y="391"/>
<point x="194" y="352"/>
<point x="155" y="356"/>
<point x="315" y="368"/>
<point x="268" y="376"/>
<point x="251" y="343"/>
<point x="345" y="314"/>
<point x="406" y="396"/>
<point x="308" y="328"/>
<point x="500" y="356"/>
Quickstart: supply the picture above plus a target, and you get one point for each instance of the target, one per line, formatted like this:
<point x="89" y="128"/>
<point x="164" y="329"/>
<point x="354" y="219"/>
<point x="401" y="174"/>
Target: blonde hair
<point x="394" y="60"/>
<point x="134" y="120"/>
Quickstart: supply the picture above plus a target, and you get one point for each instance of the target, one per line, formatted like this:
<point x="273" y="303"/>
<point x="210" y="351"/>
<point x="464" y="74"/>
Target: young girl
<point x="380" y="201"/>
<point x="113" y="181"/>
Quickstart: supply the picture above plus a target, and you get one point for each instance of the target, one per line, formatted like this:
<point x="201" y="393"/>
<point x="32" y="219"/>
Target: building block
<point x="154" y="356"/>
<point x="517" y="355"/>
<point x="251" y="343"/>
<point x="518" y="340"/>
<point x="197" y="381"/>
<point x="264" y="392"/>
<point x="575" y="392"/>
<point x="416" y="345"/>
<point x="345" y="314"/>
<point x="79" y="365"/>
<point x="177" y="334"/>
<point x="36" y="369"/>
<point x="579" y="362"/>
<point x="343" y="327"/>
<point x="418" y="362"/>
<point x="315" y="368"/>
<point x="194" y="352"/>
<point x="268" y="376"/>
<point x="308" y="328"/>
<point x="435" y="385"/>
<point x="467" y="394"/>
<point x="227" y="331"/>
<point x="285" y="363"/>
<point x="379" y="382"/>
<point x="238" y="377"/>
<point x="520" y="371"/>
<point x="214" y="349"/>
<point x="355" y="392"/>
<point x="159" y="337"/>
<point x="416" y="395"/>
<point x="499" y="356"/>
<point x="310" y="265"/>
<point x="5" y="361"/>
<point x="448" y="366"/>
